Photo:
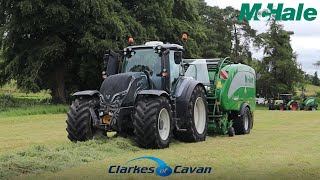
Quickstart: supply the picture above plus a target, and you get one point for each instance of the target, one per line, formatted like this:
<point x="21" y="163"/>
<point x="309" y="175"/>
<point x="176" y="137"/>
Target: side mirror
<point x="111" y="63"/>
<point x="178" y="57"/>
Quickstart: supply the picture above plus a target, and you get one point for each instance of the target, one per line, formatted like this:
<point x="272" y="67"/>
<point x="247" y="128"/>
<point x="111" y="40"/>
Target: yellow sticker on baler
<point x="219" y="85"/>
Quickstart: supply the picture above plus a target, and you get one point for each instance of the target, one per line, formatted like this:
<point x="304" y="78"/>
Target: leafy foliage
<point x="315" y="79"/>
<point x="278" y="71"/>
<point x="59" y="45"/>
<point x="9" y="102"/>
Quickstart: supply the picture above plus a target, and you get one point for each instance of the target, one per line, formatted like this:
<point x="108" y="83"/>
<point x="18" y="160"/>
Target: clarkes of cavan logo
<point x="162" y="170"/>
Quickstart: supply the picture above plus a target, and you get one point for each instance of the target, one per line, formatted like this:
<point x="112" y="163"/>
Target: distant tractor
<point x="309" y="103"/>
<point x="154" y="95"/>
<point x="284" y="102"/>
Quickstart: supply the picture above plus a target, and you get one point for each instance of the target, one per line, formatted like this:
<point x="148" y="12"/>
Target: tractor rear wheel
<point x="294" y="106"/>
<point x="196" y="118"/>
<point x="243" y="124"/>
<point x="79" y="122"/>
<point x="153" y="122"/>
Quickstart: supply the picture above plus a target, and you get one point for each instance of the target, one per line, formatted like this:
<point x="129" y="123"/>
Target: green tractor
<point x="309" y="103"/>
<point x="155" y="95"/>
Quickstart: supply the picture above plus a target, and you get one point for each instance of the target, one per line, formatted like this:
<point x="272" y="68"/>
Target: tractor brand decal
<point x="241" y="80"/>
<point x="278" y="12"/>
<point x="162" y="170"/>
<point x="224" y="74"/>
<point x="108" y="96"/>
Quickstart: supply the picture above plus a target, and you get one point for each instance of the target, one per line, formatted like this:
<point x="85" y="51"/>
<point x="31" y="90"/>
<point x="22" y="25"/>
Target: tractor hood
<point x="121" y="89"/>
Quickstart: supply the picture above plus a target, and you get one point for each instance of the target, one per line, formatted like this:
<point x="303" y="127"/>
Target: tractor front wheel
<point x="153" y="122"/>
<point x="79" y="122"/>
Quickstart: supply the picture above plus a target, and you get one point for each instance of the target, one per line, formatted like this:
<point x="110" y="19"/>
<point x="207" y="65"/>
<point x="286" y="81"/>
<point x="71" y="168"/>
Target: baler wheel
<point x="231" y="132"/>
<point x="243" y="124"/>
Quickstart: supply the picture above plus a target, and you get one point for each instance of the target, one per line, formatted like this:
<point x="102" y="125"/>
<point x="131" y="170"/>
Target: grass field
<point x="312" y="90"/>
<point x="282" y="145"/>
<point x="34" y="110"/>
<point x="11" y="89"/>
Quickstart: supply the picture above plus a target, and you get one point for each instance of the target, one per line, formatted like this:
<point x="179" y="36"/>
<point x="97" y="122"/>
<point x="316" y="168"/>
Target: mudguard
<point x="183" y="95"/>
<point x="154" y="93"/>
<point x="86" y="93"/>
<point x="243" y="106"/>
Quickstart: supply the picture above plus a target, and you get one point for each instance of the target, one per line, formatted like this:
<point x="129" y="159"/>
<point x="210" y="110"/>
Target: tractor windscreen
<point x="143" y="60"/>
<point x="286" y="97"/>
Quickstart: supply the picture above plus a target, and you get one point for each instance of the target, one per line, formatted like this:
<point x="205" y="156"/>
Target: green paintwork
<point x="308" y="103"/>
<point x="242" y="78"/>
<point x="226" y="96"/>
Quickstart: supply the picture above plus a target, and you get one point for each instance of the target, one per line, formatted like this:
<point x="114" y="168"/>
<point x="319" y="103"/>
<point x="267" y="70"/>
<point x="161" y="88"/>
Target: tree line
<point x="59" y="45"/>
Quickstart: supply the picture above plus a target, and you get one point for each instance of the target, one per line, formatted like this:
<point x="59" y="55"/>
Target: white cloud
<point x="306" y="38"/>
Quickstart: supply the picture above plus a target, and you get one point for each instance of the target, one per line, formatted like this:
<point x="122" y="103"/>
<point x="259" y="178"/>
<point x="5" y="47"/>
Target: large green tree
<point x="278" y="71"/>
<point x="58" y="45"/>
<point x="167" y="20"/>
<point x="242" y="35"/>
<point x="225" y="34"/>
<point x="315" y="79"/>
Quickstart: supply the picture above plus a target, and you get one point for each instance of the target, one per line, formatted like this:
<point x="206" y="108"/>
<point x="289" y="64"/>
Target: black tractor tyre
<point x="148" y="124"/>
<point x="240" y="125"/>
<point x="79" y="121"/>
<point x="191" y="134"/>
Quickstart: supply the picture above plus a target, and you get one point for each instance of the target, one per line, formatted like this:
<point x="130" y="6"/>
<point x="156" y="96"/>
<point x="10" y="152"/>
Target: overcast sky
<point x="306" y="38"/>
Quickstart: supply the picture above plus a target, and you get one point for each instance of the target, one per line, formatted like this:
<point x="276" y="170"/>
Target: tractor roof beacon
<point x="154" y="94"/>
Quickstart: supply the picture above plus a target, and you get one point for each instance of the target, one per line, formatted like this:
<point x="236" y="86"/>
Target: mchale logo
<point x="162" y="170"/>
<point x="278" y="13"/>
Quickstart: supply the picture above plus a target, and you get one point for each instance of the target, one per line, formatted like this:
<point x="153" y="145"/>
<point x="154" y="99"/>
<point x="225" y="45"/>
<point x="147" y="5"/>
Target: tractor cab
<point x="284" y="102"/>
<point x="160" y="63"/>
<point x="285" y="98"/>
